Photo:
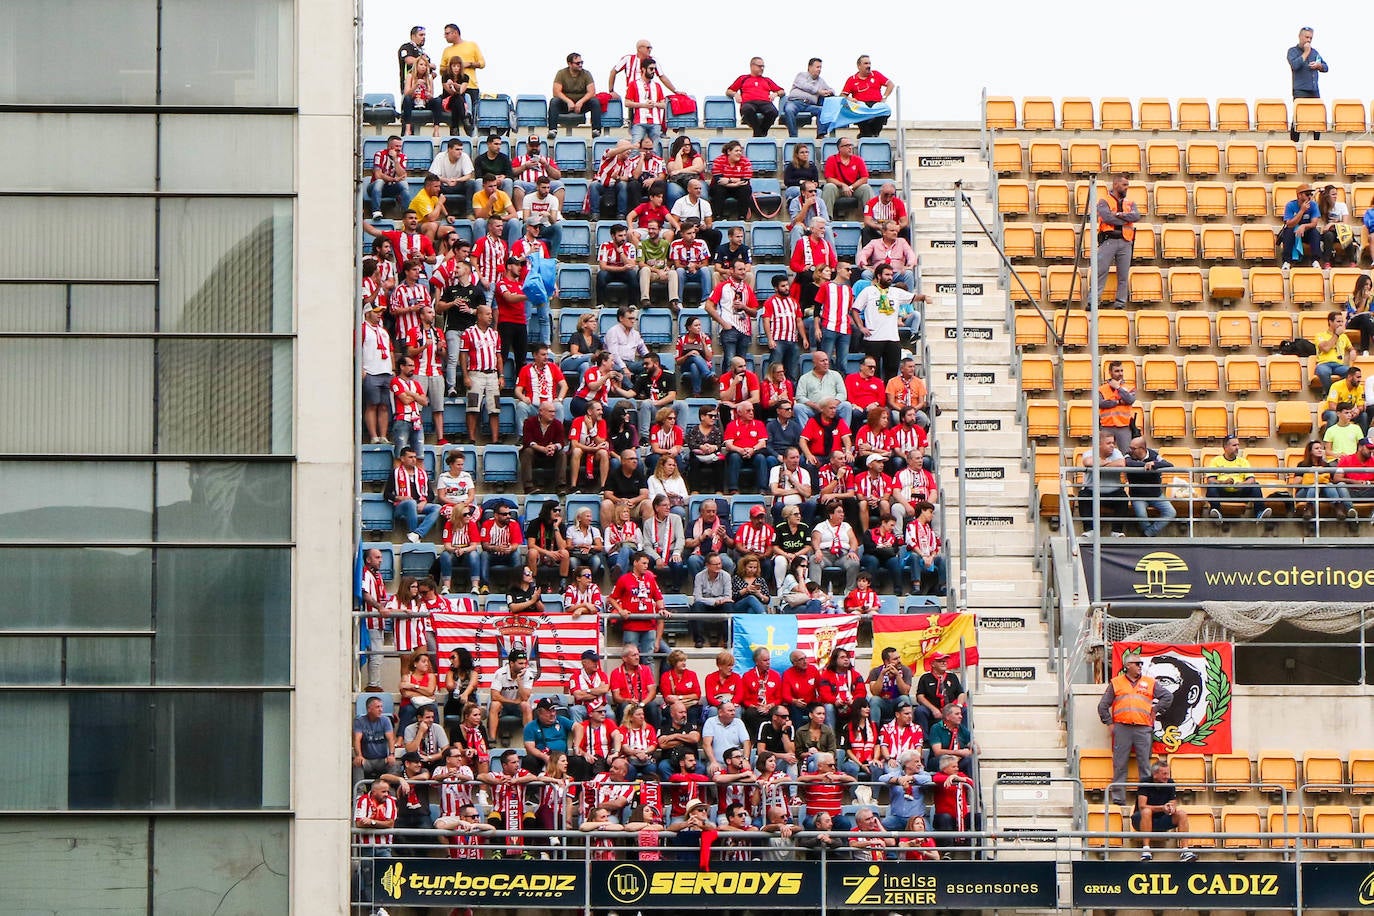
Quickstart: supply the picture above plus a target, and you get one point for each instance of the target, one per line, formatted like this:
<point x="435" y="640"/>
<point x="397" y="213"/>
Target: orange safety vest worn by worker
<point x="1133" y="704"/>
<point x="1120" y="415"/>
<point x="1127" y="230"/>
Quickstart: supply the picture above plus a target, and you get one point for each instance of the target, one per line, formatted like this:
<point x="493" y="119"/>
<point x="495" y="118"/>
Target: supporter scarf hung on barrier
<point x="837" y="112"/>
<point x="554" y="642"/>
<point x="918" y="636"/>
<point x="815" y="634"/>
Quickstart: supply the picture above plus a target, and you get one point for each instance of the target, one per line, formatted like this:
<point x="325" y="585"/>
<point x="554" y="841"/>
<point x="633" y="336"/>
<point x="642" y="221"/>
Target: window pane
<point x="86" y="588"/>
<point x="78" y="152"/>
<point x="223" y="501"/>
<point x="32" y="307"/>
<point x="30" y="660"/>
<point x="113" y="308"/>
<point x="76" y="500"/>
<point x="251" y="153"/>
<point x="34" y="724"/>
<point x="77" y="865"/>
<point x="113" y="661"/>
<point x="117" y="63"/>
<point x="110" y="749"/>
<point x="112" y="240"/>
<point x="216" y="53"/>
<point x="227" y="397"/>
<point x="223" y="616"/>
<point x="226" y="267"/>
<point x="210" y="749"/>
<point x="100" y="392"/>
<point x="243" y="870"/>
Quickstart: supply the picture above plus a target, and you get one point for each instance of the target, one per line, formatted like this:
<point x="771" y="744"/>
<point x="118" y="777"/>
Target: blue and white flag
<point x="815" y="634"/>
<point x="837" y="112"/>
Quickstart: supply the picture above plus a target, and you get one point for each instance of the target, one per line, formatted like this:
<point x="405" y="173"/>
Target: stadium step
<point x="984" y="301"/>
<point x="935" y="245"/>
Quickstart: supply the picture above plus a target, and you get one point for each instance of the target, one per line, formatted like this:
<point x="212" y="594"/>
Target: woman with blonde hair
<point x="420" y="94"/>
<point x="668" y="481"/>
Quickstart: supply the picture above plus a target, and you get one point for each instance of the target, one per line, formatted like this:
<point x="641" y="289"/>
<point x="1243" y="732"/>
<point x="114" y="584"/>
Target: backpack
<point x="1298" y="347"/>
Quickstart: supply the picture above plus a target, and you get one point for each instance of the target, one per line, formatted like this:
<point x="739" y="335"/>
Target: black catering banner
<point x="1185" y="885"/>
<point x="1184" y="573"/>
<point x="478" y="883"/>
<point x="754" y="885"/>
<point x="1338" y="885"/>
<point x="904" y="886"/>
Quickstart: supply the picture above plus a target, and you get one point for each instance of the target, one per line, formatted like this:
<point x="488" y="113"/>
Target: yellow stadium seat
<point x="1046" y="157"/>
<point x="1282" y="820"/>
<point x="1262" y="457"/>
<point x="1366" y="822"/>
<point x="1347" y="116"/>
<point x="1147" y="285"/>
<point x="1194" y="331"/>
<point x="1179" y="243"/>
<point x="1209" y="199"/>
<point x="1152" y="329"/>
<point x="1231" y="771"/>
<point x="1308" y="285"/>
<point x="1256" y="243"/>
<point x="1361" y="197"/>
<point x="1078" y="374"/>
<point x="1057" y="242"/>
<point x="1026" y="285"/>
<point x="1168" y="420"/>
<point x="1072" y="326"/>
<point x="1333" y="819"/>
<point x="1156" y="114"/>
<point x="1076" y="114"/>
<point x="1178" y="457"/>
<point x="1185" y="285"/>
<point x="1085" y="158"/>
<point x="1171" y="199"/>
<point x="1233" y="115"/>
<point x="1319" y="158"/>
<point x="1271" y="115"/>
<point x="1309" y="115"/>
<point x="1322" y="771"/>
<point x="1284" y="191"/>
<point x="1189" y="771"/>
<point x="1242" y="159"/>
<point x="1018" y="241"/>
<point x="999" y="113"/>
<point x="1081" y="419"/>
<point x="1201" y="819"/>
<point x="1194" y="114"/>
<point x="1063" y="284"/>
<point x="1037" y="113"/>
<point x="1160" y="374"/>
<point x="1277" y="768"/>
<point x="1280" y="158"/>
<point x="1252" y="423"/>
<point x="1274" y="328"/>
<point x="1031" y="330"/>
<point x="1047" y="479"/>
<point x="1241" y="819"/>
<point x="1145" y="246"/>
<point x="1234" y="330"/>
<point x="1285" y="375"/>
<point x="1251" y="200"/>
<point x="1013" y="198"/>
<point x="1161" y="158"/>
<point x="1123" y="157"/>
<point x="1204" y="159"/>
<point x="1201" y="374"/>
<point x="1343" y="283"/>
<point x="1113" y="330"/>
<point x="1051" y="198"/>
<point x="1211" y="420"/>
<point x="1037" y="373"/>
<point x="1225" y="282"/>
<point x="1116" y="114"/>
<point x="1042" y="418"/>
<point x="1242" y="374"/>
<point x="1266" y="286"/>
<point x="1292" y="418"/>
<point x="1007" y="157"/>
<point x="1100" y="822"/>
<point x="1359" y="158"/>
<point x="1080" y="194"/>
<point x="1310" y="324"/>
<point x="1219" y="244"/>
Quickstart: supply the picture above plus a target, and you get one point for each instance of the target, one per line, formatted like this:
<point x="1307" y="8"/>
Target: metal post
<point x="825" y="904"/>
<point x="959" y="371"/>
<point x="1095" y="294"/>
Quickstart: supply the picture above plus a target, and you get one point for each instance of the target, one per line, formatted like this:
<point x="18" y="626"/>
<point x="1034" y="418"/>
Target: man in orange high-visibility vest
<point x="1128" y="706"/>
<point x="1115" y="406"/>
<point x="1116" y="219"/>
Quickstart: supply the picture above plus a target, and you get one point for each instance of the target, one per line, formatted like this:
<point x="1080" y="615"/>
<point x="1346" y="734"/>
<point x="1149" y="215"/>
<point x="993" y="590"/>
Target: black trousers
<point x="758" y="116"/>
<point x="558" y="107"/>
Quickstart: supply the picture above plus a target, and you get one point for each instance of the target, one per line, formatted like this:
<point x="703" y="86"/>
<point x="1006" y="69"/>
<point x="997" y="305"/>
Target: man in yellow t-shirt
<point x="472" y="59"/>
<point x="429" y="205"/>
<point x="1229" y="480"/>
<point x="1351" y="389"/>
<point x="492" y="201"/>
<point x="1335" y="352"/>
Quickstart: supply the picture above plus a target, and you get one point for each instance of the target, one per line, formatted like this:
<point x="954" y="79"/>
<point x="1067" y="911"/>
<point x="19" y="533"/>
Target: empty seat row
<point x="1316" y="770"/>
<point x="1249" y="819"/>
<point x="1167" y="420"/>
<point x="1238" y="159"/>
<point x="1039" y="113"/>
<point x="1060" y="284"/>
<point x="1154" y="329"/>
<point x="1239" y="375"/>
<point x="1170" y="199"/>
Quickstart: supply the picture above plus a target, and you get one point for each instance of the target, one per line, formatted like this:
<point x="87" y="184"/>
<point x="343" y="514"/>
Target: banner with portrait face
<point x="1200" y="678"/>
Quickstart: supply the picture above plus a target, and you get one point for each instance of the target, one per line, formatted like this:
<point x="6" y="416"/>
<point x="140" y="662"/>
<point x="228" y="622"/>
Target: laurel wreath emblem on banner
<point x="1218" y="698"/>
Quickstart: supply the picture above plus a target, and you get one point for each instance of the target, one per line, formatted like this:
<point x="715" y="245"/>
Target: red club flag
<point x="1199" y="675"/>
<point x="918" y="636"/>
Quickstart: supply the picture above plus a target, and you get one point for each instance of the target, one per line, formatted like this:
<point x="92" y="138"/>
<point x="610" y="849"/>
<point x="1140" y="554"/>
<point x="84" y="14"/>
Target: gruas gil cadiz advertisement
<point x="758" y="886"/>
<point x="478" y="883"/>
<point x="1185" y="885"/>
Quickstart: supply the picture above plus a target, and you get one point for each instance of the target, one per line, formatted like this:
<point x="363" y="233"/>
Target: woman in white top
<point x="456" y="487"/>
<point x="585" y="544"/>
<point x="834" y="545"/>
<point x="668" y="481"/>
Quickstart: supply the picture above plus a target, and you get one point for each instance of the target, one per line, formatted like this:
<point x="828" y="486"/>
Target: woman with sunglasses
<point x="583" y="595"/>
<point x="684" y="163"/>
<point x="545" y="546"/>
<point x="586" y="548"/>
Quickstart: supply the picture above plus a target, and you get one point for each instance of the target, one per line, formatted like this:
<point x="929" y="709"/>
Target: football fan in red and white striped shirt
<point x="647" y="102"/>
<point x="375" y="810"/>
<point x="482" y="366"/>
<point x="874" y="488"/>
<point x="377" y="356"/>
<point x="408" y="298"/>
<point x="629" y="67"/>
<point x="756" y="535"/>
<point x="489" y="255"/>
<point x="408" y="241"/>
<point x="425" y="344"/>
<point x="835" y="300"/>
<point x="407" y="400"/>
<point x="388" y="175"/>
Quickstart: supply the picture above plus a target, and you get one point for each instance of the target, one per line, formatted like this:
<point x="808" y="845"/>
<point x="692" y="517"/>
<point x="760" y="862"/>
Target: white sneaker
<point x="376" y="214"/>
<point x="1216" y="515"/>
<point x="1187" y="856"/>
<point x="1264" y="514"/>
<point x="1146" y="855"/>
<point x="413" y="538"/>
<point x="1118" y="534"/>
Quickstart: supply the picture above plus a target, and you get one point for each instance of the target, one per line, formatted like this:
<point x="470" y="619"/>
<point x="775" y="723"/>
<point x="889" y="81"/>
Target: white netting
<point x="1241" y="621"/>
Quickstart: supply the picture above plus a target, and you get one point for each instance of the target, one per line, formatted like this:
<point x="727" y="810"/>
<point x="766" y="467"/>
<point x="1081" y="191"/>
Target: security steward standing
<point x="1116" y="219"/>
<point x="1129" y="706"/>
<point x="1115" y="403"/>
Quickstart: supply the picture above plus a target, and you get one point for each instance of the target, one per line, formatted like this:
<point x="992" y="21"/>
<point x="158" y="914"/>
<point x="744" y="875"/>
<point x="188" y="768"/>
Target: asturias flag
<point x="815" y="634"/>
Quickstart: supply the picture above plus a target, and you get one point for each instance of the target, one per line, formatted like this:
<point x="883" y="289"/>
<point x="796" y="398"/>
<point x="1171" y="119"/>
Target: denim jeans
<point x="734" y="462"/>
<point x="472" y="564"/>
<point x="708" y="282"/>
<point x="791" y="108"/>
<point x="621" y="558"/>
<point x="415" y="519"/>
<point x="698" y="372"/>
<point x="379" y="189"/>
<point x="1337" y="494"/>
<point x="640" y="131"/>
<point x="551" y="234"/>
<point x="750" y="605"/>
<point x="916" y="569"/>
<point x="837" y="346"/>
<point x="538" y="320"/>
<point x="894" y="567"/>
<point x="514" y="229"/>
<point x="621" y="190"/>
<point x="1167" y="513"/>
<point x="788" y="352"/>
<point x="404" y="433"/>
<point x="733" y="343"/>
<point x="697" y="562"/>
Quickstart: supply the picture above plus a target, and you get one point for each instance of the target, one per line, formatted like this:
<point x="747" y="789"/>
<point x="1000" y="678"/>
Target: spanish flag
<point x="919" y="636"/>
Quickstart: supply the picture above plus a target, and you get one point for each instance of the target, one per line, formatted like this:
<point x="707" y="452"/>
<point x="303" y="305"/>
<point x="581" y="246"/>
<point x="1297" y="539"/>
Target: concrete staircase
<point x="1015" y="696"/>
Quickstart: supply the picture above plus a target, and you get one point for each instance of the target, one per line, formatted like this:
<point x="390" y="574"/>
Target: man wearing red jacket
<point x="799" y="686"/>
<point x="839" y="687"/>
<point x="760" y="689"/>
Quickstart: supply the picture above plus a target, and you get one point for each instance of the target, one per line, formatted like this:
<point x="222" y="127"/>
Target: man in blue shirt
<point x="1301" y="221"/>
<point x="545" y="734"/>
<point x="1305" y="63"/>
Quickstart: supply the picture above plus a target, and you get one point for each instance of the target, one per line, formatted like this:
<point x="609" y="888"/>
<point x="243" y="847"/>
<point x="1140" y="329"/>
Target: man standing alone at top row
<point x="1116" y="219"/>
<point x="1306" y="64"/>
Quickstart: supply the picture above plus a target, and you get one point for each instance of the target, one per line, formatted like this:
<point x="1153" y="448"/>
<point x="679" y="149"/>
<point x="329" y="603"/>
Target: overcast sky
<point x="939" y="54"/>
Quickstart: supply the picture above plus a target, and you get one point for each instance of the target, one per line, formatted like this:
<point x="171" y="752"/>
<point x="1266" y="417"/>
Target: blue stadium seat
<point x="534" y="502"/>
<point x="718" y="111"/>
<point x="740" y="506"/>
<point x="921" y="604"/>
<point x="497" y="605"/>
<point x="714" y="150"/>
<point x="807" y="362"/>
<point x="376" y="513"/>
<point x="469" y="454"/>
<point x="553" y="604"/>
<point x="707" y="326"/>
<point x="876" y="154"/>
<point x="789" y="145"/>
<point x="574" y="194"/>
<point x="847" y="239"/>
<point x="725" y="225"/>
<point x="567" y="321"/>
<point x="431" y="459"/>
<point x="570" y="155"/>
<point x="419" y="153"/>
<point x="465" y="230"/>
<point x="694" y="505"/>
<point x="691" y="407"/>
<point x="575" y="238"/>
<point x="507" y="422"/>
<point x="494" y="113"/>
<point x="852" y="363"/>
<point x="684" y="121"/>
<point x="614" y="115"/>
<point x="456" y="422"/>
<point x="579" y="501"/>
<point x="763" y="280"/>
<point x="889" y="604"/>
<point x="379" y="108"/>
<point x="769" y="239"/>
<point x="574" y="283"/>
<point x="656" y="326"/>
<point x="605" y="320"/>
<point x="371" y="147"/>
<point x="531" y="111"/>
<point x="417" y="559"/>
<point x="768" y="190"/>
<point x="599" y="147"/>
<point x="376" y="463"/>
<point x="603" y="232"/>
<point x="829" y="147"/>
<point x="762" y="153"/>
<point x="500" y="463"/>
<point x="520" y="147"/>
<point x="388" y="569"/>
